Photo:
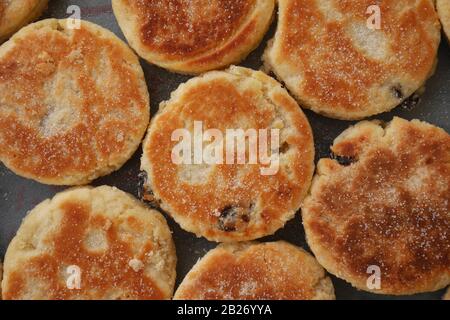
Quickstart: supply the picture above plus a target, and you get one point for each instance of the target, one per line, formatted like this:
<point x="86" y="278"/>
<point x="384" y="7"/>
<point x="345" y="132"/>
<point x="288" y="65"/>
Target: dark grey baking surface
<point x="18" y="195"/>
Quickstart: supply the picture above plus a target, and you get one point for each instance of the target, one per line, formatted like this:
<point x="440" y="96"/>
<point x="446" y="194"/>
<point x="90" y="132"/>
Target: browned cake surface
<point x="390" y="207"/>
<point x="16" y="13"/>
<point x="73" y="103"/>
<point x="124" y="251"/>
<point x="193" y="36"/>
<point x="335" y="65"/>
<point x="181" y="30"/>
<point x="2" y="8"/>
<point x="275" y="271"/>
<point x="230" y="202"/>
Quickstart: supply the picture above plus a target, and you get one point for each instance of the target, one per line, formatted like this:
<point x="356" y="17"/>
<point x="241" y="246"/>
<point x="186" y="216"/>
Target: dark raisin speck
<point x="343" y="161"/>
<point x="284" y="147"/>
<point x="227" y="219"/>
<point x="145" y="194"/>
<point x="142" y="181"/>
<point x="411" y="102"/>
<point x="397" y="92"/>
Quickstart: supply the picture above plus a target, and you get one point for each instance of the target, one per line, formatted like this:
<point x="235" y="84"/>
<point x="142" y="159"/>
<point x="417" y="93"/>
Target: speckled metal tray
<point x="18" y="195"/>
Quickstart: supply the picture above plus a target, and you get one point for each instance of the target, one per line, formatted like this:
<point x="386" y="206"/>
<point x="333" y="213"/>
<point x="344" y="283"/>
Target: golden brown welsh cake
<point x="120" y="249"/>
<point x="386" y="204"/>
<point x="447" y="295"/>
<point x="443" y="9"/>
<point x="230" y="200"/>
<point x="193" y="36"/>
<point x="266" y="271"/>
<point x="335" y="65"/>
<point x="74" y="103"/>
<point x="14" y="14"/>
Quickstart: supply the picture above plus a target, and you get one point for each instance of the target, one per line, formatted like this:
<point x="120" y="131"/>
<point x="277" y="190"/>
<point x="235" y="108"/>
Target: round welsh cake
<point x="193" y="36"/>
<point x="91" y="243"/>
<point x="74" y="104"/>
<point x="381" y="208"/>
<point x="356" y="58"/>
<point x="253" y="271"/>
<point x="229" y="156"/>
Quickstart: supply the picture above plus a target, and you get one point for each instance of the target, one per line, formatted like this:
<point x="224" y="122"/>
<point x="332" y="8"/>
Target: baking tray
<point x="19" y="195"/>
